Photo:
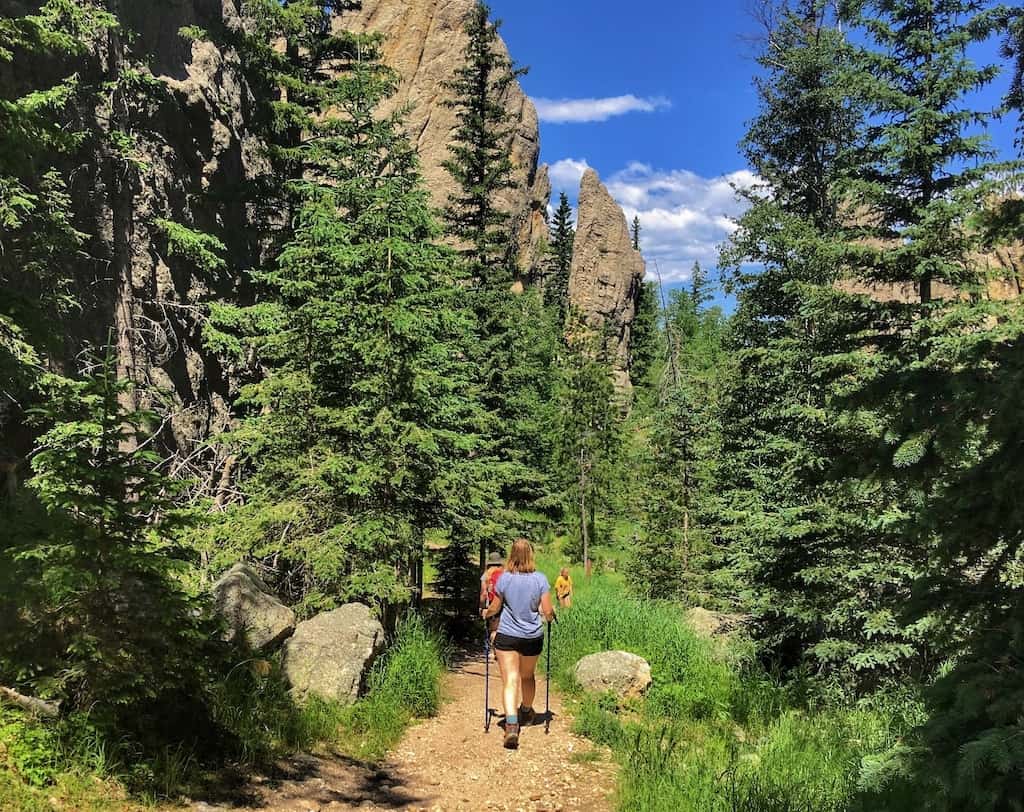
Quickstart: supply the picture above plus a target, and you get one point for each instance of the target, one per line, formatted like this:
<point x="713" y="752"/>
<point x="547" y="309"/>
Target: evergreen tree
<point x="646" y="342"/>
<point x="588" y="438"/>
<point x="365" y="430"/>
<point x="102" y="623"/>
<point x="674" y="557"/>
<point x="812" y="545"/>
<point x="556" y="286"/>
<point x="931" y="379"/>
<point x="515" y="351"/>
<point x="636" y="233"/>
<point x="480" y="162"/>
<point x="37" y="232"/>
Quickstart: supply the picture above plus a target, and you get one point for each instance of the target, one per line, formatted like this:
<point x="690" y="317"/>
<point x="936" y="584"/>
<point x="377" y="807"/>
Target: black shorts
<point x="527" y="646"/>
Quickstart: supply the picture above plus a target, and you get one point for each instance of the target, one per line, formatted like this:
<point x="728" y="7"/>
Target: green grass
<point x="404" y="684"/>
<point x="255" y="722"/>
<point x="715" y="733"/>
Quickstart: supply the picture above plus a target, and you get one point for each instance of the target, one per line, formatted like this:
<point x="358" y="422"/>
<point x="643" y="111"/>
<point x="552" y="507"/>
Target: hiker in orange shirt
<point x="563" y="588"/>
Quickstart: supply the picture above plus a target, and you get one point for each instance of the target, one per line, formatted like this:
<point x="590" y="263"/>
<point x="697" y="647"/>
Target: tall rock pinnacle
<point x="424" y="42"/>
<point x="606" y="275"/>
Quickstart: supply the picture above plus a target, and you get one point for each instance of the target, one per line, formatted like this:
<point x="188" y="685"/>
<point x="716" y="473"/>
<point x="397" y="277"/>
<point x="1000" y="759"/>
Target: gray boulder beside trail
<point x="624" y="674"/>
<point x="330" y="654"/>
<point x="252" y="613"/>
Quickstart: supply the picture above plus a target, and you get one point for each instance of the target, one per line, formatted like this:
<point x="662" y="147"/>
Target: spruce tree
<point x="363" y="435"/>
<point x="515" y="351"/>
<point x="646" y="343"/>
<point x="37" y="230"/>
<point x="636" y="233"/>
<point x="675" y="557"/>
<point x="587" y="439"/>
<point x="480" y="162"/>
<point x="556" y="284"/>
<point x="809" y="541"/>
<point x="931" y="380"/>
<point x="103" y="624"/>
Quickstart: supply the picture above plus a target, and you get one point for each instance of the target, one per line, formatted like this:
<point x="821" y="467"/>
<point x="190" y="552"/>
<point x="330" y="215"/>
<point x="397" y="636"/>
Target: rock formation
<point x="423" y="42"/>
<point x="251" y="612"/>
<point x="625" y="675"/>
<point x="606" y="275"/>
<point x="330" y="655"/>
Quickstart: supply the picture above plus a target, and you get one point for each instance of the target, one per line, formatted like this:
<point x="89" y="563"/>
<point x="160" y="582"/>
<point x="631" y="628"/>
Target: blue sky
<point x="654" y="95"/>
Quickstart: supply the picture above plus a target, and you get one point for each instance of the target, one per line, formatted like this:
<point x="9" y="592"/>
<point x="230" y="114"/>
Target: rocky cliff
<point x="169" y="144"/>
<point x="424" y="41"/>
<point x="606" y="275"/>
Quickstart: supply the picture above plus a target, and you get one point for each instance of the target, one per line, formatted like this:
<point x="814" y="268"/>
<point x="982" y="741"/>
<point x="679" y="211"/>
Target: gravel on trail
<point x="448" y="764"/>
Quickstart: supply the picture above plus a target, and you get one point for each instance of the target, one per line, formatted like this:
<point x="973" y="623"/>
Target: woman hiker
<point x="523" y="600"/>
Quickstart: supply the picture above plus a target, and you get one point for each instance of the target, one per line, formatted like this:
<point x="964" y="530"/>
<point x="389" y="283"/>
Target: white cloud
<point x="577" y="111"/>
<point x="566" y="175"/>
<point x="684" y="217"/>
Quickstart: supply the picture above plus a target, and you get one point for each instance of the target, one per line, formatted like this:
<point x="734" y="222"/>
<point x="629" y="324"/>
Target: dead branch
<point x="40" y="707"/>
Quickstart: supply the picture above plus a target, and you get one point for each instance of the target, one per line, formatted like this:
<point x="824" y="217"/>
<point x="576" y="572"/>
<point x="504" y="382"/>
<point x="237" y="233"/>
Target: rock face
<point x="330" y="655"/>
<point x="604" y="283"/>
<point x="424" y="42"/>
<point x="624" y="674"/>
<point x="253" y="614"/>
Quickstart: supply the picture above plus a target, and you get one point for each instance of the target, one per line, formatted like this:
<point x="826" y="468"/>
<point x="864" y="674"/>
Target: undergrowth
<point x="74" y="763"/>
<point x="715" y="733"/>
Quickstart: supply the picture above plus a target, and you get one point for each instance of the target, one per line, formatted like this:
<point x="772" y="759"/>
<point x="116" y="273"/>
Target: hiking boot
<point x="527" y="716"/>
<point x="512" y="737"/>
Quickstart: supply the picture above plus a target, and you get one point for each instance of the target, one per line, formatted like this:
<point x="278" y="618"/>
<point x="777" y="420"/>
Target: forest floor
<point x="447" y="763"/>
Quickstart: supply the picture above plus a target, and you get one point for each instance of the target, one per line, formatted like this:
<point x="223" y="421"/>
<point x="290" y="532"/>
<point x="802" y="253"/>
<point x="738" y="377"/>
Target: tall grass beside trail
<point x="404" y="684"/>
<point x="715" y="733"/>
<point x="256" y="722"/>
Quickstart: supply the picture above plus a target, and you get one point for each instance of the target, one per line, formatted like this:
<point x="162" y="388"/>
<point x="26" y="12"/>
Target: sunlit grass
<point x="715" y="733"/>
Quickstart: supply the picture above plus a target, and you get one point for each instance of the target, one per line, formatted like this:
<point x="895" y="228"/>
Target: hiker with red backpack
<point x="522" y="601"/>
<point x="493" y="569"/>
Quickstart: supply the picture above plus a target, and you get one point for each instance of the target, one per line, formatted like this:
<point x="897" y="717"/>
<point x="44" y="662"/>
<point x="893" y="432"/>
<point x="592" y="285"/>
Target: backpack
<point x="491" y="582"/>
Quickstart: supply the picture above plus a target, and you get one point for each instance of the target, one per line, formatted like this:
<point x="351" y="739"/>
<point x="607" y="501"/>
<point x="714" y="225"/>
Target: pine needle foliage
<point x="480" y="162"/>
<point x="556" y="281"/>
<point x="104" y="624"/>
<point x="365" y="431"/>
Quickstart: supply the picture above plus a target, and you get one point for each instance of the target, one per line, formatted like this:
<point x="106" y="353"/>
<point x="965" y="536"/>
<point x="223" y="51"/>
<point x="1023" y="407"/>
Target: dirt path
<point x="448" y="763"/>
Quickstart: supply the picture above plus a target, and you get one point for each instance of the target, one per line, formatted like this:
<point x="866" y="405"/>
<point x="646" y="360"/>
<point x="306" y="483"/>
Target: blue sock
<point x="512" y="719"/>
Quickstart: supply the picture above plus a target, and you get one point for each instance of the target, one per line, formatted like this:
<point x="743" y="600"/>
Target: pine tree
<point x="587" y="439"/>
<point x="931" y="380"/>
<point x="364" y="434"/>
<point x="812" y="544"/>
<point x="556" y="285"/>
<point x="674" y="556"/>
<point x="646" y="344"/>
<point x="104" y="623"/>
<point x="37" y="231"/>
<point x="636" y="233"/>
<point x="480" y="162"/>
<point x="515" y="351"/>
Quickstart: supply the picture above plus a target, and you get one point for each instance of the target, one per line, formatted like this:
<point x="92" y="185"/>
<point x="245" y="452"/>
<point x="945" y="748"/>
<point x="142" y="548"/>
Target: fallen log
<point x="40" y="707"/>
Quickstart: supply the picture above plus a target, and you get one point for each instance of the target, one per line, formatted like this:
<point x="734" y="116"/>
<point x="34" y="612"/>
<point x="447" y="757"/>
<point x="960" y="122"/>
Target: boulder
<point x="252" y="613"/>
<point x="624" y="674"/>
<point x="712" y="624"/>
<point x="330" y="654"/>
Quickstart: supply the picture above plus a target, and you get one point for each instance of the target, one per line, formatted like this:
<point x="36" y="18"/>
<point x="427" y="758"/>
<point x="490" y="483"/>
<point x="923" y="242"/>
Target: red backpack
<point x="491" y="582"/>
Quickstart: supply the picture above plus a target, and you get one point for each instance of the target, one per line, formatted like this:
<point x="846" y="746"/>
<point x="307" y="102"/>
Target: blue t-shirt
<point x="520" y="596"/>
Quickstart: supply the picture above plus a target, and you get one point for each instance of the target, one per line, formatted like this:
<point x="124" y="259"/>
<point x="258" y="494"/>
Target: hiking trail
<point x="449" y="763"/>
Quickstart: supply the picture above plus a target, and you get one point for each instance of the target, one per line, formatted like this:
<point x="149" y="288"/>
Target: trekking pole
<point x="547" y="688"/>
<point x="487" y="678"/>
